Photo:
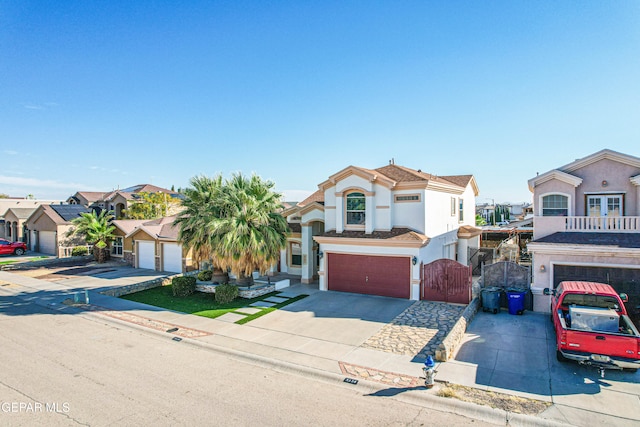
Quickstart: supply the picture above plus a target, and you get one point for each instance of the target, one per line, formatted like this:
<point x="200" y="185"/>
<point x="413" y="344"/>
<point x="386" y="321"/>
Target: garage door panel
<point x="146" y="255"/>
<point x="373" y="275"/>
<point x="172" y="257"/>
<point x="47" y="242"/>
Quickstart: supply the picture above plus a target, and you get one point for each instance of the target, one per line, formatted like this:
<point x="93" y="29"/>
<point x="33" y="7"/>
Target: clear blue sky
<point x="96" y="95"/>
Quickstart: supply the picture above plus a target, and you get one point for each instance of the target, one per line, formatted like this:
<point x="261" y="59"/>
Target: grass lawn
<point x="20" y="260"/>
<point x="201" y="303"/>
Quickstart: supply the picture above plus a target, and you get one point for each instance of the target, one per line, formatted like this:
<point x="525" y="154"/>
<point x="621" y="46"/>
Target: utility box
<point x="593" y="319"/>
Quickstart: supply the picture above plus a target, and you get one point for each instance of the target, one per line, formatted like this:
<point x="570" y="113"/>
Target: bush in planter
<point x="79" y="251"/>
<point x="226" y="293"/>
<point x="205" y="275"/>
<point x="183" y="286"/>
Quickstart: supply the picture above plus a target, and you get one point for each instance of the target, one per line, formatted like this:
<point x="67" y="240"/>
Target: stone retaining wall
<point x="247" y="293"/>
<point x="450" y="344"/>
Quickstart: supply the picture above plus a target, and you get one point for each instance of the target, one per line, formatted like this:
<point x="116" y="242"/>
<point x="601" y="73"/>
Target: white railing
<point x="617" y="224"/>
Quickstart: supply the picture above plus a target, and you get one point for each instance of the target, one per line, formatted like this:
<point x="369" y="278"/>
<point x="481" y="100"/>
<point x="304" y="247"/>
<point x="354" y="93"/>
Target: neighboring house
<point x="587" y="225"/>
<point x="368" y="230"/>
<point x="151" y="244"/>
<point x="118" y="201"/>
<point x="47" y="226"/>
<point x="14" y="227"/>
<point x="6" y="231"/>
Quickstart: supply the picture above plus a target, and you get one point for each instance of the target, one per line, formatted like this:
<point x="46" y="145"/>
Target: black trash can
<point x="491" y="299"/>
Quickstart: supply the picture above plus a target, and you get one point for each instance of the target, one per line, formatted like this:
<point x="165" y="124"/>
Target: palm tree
<point x="249" y="233"/>
<point x="198" y="208"/>
<point x="235" y="223"/>
<point x="96" y="230"/>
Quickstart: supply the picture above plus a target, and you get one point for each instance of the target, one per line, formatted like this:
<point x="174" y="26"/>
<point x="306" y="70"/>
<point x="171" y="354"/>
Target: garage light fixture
<point x="320" y="254"/>
<point x="414" y="260"/>
<point x="543" y="269"/>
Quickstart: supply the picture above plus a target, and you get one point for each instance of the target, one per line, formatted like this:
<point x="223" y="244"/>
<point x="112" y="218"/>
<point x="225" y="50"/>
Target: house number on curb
<point x="177" y="339"/>
<point x="350" y="381"/>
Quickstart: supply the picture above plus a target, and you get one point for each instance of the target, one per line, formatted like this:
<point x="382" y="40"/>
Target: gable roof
<point x="564" y="173"/>
<point x="161" y="229"/>
<point x="393" y="175"/>
<point x="51" y="211"/>
<point x="89" y="196"/>
<point x="20" y="213"/>
<point x="317" y="196"/>
<point x="128" y="225"/>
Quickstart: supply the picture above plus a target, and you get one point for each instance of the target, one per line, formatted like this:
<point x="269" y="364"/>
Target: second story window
<point x="356" y="203"/>
<point x="460" y="210"/>
<point x="555" y="205"/>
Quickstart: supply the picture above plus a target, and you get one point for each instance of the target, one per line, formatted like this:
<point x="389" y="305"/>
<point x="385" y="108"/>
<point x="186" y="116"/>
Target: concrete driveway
<point x="339" y="317"/>
<point x="517" y="355"/>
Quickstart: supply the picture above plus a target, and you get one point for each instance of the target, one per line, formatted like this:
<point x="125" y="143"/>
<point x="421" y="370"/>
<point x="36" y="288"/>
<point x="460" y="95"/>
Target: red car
<point x="7" y="247"/>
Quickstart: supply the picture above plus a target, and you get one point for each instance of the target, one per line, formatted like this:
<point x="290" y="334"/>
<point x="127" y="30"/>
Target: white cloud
<point x="33" y="107"/>
<point x="10" y="152"/>
<point x="39" y="183"/>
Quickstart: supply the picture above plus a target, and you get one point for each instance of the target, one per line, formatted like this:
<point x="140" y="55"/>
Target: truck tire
<point x="560" y="357"/>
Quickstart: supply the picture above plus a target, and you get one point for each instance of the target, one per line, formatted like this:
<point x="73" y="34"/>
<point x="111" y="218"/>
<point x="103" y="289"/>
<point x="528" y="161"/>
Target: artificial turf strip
<point x="199" y="303"/>
<point x="270" y="309"/>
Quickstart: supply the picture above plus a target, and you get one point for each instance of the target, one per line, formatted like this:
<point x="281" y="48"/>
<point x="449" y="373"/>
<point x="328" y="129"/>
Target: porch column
<point x="463" y="251"/>
<point x="307" y="254"/>
<point x="369" y="215"/>
<point x="339" y="213"/>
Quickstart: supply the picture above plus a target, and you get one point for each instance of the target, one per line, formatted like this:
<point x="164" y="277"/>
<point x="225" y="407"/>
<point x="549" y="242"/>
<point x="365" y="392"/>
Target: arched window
<point x="356" y="203"/>
<point x="555" y="205"/>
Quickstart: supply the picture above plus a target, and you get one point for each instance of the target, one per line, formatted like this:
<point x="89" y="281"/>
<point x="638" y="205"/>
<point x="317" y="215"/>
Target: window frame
<point x="555" y="208"/>
<point x="418" y="198"/>
<point x="363" y="211"/>
<point x="460" y="209"/>
<point x="291" y="254"/>
<point x="114" y="246"/>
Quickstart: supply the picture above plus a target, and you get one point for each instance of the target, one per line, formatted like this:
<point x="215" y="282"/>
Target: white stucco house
<point x="587" y="225"/>
<point x="369" y="230"/>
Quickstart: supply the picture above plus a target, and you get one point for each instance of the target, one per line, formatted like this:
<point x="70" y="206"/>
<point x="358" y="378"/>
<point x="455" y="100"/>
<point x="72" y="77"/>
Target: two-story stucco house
<point x="368" y="230"/>
<point x="587" y="225"/>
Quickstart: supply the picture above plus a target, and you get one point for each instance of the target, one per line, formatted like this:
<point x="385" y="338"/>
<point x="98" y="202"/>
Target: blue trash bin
<point x="515" y="300"/>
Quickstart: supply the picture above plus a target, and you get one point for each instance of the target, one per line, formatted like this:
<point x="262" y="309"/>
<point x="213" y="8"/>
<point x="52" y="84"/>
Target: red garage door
<point x="374" y="275"/>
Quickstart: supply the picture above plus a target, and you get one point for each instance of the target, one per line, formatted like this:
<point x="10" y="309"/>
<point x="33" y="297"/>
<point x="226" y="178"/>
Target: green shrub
<point x="79" y="251"/>
<point x="183" y="286"/>
<point x="226" y="293"/>
<point x="205" y="275"/>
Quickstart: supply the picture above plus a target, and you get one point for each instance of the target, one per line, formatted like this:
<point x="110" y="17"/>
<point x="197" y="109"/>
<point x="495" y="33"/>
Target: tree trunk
<point x="244" y="281"/>
<point x="101" y="255"/>
<point x="219" y="276"/>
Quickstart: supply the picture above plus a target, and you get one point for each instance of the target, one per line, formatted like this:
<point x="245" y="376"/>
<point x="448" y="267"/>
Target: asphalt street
<point x="66" y="369"/>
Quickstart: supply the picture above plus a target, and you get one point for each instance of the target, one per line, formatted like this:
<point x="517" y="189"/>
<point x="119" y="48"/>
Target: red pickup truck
<point x="592" y="326"/>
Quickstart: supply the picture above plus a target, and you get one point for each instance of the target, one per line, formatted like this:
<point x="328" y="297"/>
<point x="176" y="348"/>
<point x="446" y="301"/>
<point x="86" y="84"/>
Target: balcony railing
<point x="614" y="224"/>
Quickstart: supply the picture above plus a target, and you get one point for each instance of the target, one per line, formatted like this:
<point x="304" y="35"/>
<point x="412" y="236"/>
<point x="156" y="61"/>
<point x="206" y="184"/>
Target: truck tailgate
<point x="602" y="343"/>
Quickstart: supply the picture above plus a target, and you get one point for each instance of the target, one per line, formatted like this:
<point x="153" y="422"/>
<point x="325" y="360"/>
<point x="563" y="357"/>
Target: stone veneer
<point x="247" y="293"/>
<point x="450" y="344"/>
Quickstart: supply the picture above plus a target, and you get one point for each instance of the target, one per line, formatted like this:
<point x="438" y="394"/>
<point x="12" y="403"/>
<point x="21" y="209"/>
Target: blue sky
<point x="96" y="95"/>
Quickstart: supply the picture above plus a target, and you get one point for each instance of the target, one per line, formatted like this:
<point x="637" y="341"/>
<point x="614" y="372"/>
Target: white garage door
<point x="172" y="257"/>
<point x="47" y="240"/>
<point x="146" y="255"/>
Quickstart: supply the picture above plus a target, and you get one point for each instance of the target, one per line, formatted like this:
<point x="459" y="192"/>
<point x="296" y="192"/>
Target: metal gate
<point x="446" y="280"/>
<point x="506" y="275"/>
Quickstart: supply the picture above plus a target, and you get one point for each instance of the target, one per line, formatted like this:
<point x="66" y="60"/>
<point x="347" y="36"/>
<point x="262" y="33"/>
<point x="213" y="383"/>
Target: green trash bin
<point x="491" y="299"/>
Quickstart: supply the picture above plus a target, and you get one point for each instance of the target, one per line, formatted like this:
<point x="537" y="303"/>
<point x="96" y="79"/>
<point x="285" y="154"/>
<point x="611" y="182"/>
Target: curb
<point x="467" y="409"/>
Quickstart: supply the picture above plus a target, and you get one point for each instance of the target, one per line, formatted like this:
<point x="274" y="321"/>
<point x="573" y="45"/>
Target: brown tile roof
<point x="399" y="233"/>
<point x="459" y="180"/>
<point x="404" y="174"/>
<point x="317" y="196"/>
<point x="161" y="228"/>
<point x="92" y="196"/>
<point x="128" y="225"/>
<point x="21" y="213"/>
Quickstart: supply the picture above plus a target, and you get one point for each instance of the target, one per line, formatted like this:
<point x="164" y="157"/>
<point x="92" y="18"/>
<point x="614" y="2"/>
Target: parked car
<point x="7" y="247"/>
<point x="592" y="326"/>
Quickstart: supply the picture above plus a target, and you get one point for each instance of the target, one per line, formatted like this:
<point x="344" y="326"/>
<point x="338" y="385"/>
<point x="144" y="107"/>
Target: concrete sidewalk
<point x="320" y="352"/>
